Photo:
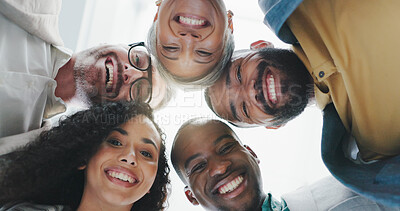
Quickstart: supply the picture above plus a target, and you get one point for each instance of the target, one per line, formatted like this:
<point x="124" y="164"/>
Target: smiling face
<point x="220" y="172"/>
<point x="124" y="168"/>
<point x="266" y="89"/>
<point x="190" y="36"/>
<point x="104" y="73"/>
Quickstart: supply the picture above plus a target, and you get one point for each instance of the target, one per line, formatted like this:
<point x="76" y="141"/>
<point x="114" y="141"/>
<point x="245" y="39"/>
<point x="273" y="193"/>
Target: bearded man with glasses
<point x="39" y="76"/>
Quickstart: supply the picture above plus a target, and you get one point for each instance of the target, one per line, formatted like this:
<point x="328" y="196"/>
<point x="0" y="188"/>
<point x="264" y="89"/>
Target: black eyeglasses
<point x="139" y="57"/>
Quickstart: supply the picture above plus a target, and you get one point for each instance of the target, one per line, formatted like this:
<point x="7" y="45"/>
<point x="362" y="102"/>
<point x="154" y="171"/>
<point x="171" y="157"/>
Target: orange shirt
<point x="351" y="50"/>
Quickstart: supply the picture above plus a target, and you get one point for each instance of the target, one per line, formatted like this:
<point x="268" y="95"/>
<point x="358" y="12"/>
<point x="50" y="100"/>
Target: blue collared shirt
<point x="276" y="13"/>
<point x="271" y="204"/>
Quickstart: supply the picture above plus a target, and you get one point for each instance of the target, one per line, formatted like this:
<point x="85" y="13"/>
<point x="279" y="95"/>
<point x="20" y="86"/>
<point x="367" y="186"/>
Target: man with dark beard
<point x="220" y="173"/>
<point x="38" y="75"/>
<point x="265" y="87"/>
<point x="347" y="48"/>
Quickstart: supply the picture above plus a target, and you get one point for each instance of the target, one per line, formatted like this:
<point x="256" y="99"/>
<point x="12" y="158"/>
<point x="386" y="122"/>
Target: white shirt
<point x="28" y="66"/>
<point x="328" y="194"/>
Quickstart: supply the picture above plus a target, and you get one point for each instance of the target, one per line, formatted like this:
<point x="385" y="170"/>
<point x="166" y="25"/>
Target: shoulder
<point x="27" y="206"/>
<point x="38" y="17"/>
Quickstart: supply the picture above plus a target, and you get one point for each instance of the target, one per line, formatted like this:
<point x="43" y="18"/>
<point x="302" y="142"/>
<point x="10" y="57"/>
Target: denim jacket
<point x="276" y="13"/>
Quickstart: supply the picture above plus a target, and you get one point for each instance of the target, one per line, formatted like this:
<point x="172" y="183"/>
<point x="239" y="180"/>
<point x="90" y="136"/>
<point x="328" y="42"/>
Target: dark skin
<point x="220" y="173"/>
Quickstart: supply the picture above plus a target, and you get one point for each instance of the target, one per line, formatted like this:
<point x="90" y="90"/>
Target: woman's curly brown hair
<point x="46" y="170"/>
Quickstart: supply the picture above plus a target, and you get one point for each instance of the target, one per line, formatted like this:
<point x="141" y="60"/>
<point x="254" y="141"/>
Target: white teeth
<point x="231" y="186"/>
<point x="110" y="70"/>
<point x="121" y="176"/>
<point x="191" y="21"/>
<point x="271" y="87"/>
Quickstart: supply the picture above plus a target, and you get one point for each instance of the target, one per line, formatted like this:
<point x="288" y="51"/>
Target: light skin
<point x="84" y="76"/>
<point x="210" y="157"/>
<point x="255" y="91"/>
<point x="130" y="150"/>
<point x="190" y="36"/>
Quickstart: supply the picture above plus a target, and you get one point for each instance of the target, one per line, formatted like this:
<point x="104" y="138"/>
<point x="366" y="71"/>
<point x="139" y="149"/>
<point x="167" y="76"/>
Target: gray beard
<point x="84" y="91"/>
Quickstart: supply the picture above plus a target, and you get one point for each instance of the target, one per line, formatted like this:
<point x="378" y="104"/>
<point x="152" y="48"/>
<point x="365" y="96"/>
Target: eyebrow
<point x="144" y="140"/>
<point x="149" y="141"/>
<point x="120" y="130"/>
<point x="231" y="103"/>
<point x="233" y="110"/>
<point x="219" y="139"/>
<point x="216" y="141"/>
<point x="190" y="159"/>
<point x="176" y="58"/>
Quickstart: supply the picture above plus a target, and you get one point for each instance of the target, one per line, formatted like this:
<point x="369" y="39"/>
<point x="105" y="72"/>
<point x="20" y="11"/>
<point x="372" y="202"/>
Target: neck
<point x="263" y="196"/>
<point x="66" y="85"/>
<point x="91" y="201"/>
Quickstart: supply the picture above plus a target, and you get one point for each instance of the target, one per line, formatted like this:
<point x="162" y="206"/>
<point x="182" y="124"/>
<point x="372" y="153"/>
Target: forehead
<point x="142" y="127"/>
<point x="195" y="139"/>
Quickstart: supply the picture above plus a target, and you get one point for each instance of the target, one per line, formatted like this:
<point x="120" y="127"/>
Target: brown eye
<point x="114" y="142"/>
<point x="244" y="107"/>
<point x="146" y="154"/>
<point x="226" y="148"/>
<point x="198" y="167"/>
<point x="238" y="74"/>
<point x="171" y="49"/>
<point x="203" y="53"/>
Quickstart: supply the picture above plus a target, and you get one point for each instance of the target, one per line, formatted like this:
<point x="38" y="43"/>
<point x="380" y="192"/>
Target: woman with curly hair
<point x="109" y="157"/>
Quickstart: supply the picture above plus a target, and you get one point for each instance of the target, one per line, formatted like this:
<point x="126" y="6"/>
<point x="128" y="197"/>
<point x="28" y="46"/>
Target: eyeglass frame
<point x="149" y="77"/>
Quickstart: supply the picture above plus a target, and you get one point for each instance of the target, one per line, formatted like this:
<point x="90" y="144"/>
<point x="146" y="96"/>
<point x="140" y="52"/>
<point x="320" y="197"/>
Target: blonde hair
<point x="205" y="80"/>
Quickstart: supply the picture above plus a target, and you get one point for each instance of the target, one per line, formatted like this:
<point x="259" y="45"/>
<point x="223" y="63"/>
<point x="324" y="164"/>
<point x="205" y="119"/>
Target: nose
<point x="219" y="167"/>
<point x="250" y="91"/>
<point x="130" y="74"/>
<point x="129" y="157"/>
<point x="189" y="34"/>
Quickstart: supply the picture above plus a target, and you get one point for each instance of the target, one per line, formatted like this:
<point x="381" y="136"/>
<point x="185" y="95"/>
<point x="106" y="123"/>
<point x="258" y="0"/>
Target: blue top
<point x="379" y="181"/>
<point x="271" y="204"/>
<point x="276" y="13"/>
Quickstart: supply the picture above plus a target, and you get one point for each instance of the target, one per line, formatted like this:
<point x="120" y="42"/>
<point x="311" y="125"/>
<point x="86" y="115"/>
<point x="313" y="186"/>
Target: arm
<point x="10" y="143"/>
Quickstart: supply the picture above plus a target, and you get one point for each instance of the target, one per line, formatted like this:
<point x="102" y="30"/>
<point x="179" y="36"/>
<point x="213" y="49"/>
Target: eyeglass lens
<point x="139" y="57"/>
<point x="141" y="90"/>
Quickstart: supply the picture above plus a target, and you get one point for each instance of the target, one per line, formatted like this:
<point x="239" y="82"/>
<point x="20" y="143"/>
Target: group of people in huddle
<point x="112" y="155"/>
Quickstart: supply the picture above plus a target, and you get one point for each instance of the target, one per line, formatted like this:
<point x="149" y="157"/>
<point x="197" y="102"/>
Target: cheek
<point x="124" y="93"/>
<point x="164" y="33"/>
<point x="197" y="183"/>
<point x="99" y="158"/>
<point x="150" y="173"/>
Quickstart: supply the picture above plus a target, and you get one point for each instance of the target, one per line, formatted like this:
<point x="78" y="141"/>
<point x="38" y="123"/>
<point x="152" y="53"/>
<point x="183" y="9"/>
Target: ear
<point x="158" y="3"/>
<point x="274" y="127"/>
<point x="82" y="167"/>
<point x="229" y="13"/>
<point x="261" y="44"/>
<point x="190" y="196"/>
<point x="252" y="153"/>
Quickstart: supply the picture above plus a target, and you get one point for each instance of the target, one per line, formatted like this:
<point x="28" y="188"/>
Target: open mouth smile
<point x="191" y="21"/>
<point x="121" y="178"/>
<point x="109" y="82"/>
<point x="271" y="88"/>
<point x="230" y="186"/>
<point x="268" y="87"/>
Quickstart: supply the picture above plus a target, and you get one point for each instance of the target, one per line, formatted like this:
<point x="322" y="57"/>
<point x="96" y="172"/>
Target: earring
<point x="158" y="3"/>
<point x="230" y="21"/>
